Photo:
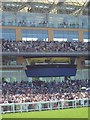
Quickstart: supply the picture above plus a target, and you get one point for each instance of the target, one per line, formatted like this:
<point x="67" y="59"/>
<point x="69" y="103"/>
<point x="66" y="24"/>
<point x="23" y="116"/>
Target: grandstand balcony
<point x="11" y="62"/>
<point x="44" y="20"/>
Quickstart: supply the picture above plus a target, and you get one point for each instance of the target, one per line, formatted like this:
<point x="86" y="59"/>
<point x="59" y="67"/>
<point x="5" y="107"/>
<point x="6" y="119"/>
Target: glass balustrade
<point x="44" y="20"/>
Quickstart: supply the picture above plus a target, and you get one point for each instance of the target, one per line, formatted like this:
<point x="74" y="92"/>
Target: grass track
<point x="65" y="113"/>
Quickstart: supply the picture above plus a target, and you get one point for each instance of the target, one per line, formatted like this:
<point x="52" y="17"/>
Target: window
<point x="8" y="34"/>
<point x="65" y="35"/>
<point x="34" y="35"/>
<point x="86" y="37"/>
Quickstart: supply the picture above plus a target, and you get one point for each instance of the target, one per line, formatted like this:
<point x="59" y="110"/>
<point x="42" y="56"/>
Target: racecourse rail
<point x="45" y="105"/>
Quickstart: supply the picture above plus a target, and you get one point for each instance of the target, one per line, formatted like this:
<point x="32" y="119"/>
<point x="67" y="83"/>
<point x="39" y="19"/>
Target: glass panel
<point x="33" y="35"/>
<point x="8" y="34"/>
<point x="86" y="37"/>
<point x="65" y="35"/>
<point x="8" y="18"/>
<point x="44" y="20"/>
<point x="12" y="75"/>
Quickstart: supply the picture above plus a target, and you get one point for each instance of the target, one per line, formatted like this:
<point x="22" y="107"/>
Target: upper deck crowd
<point x="43" y="46"/>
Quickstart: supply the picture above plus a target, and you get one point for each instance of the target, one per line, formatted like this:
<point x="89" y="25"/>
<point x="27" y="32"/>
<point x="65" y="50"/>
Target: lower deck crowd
<point x="36" y="91"/>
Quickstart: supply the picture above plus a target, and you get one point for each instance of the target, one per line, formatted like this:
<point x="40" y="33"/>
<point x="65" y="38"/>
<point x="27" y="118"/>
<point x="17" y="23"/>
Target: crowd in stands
<point x="35" y="91"/>
<point x="43" y="46"/>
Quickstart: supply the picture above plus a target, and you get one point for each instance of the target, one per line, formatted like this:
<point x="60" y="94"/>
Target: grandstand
<point x="44" y="53"/>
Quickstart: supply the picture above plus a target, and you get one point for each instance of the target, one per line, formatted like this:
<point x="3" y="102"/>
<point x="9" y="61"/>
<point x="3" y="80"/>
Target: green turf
<point x="65" y="113"/>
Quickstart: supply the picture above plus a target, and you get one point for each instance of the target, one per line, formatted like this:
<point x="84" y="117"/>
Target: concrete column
<point x="50" y="35"/>
<point x="80" y="35"/>
<point x="18" y="34"/>
<point x="80" y="62"/>
<point x="20" y="60"/>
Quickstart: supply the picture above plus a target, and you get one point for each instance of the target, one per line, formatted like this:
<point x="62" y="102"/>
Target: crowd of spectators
<point x="43" y="46"/>
<point x="35" y="91"/>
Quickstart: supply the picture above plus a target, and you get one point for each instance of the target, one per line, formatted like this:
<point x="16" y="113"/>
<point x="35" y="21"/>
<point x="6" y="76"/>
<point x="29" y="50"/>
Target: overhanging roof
<point x="43" y="6"/>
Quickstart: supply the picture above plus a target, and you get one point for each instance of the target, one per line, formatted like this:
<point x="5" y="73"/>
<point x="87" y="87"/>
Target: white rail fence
<point x="46" y="105"/>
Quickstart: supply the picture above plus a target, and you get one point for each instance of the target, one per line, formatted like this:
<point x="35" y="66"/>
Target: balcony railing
<point x="47" y="54"/>
<point x="44" y="20"/>
<point x="12" y="66"/>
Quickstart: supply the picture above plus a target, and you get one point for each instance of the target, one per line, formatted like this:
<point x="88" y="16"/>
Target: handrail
<point x="44" y="105"/>
<point x="47" y="54"/>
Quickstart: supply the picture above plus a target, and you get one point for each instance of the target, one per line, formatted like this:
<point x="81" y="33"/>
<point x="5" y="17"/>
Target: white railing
<point x="46" y="105"/>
